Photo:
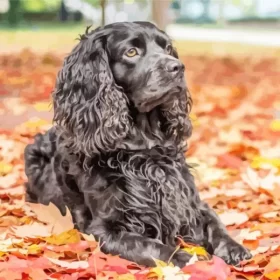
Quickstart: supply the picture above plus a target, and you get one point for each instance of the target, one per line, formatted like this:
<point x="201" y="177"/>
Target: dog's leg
<point x="218" y="240"/>
<point x="47" y="182"/>
<point x="134" y="247"/>
<point x="215" y="236"/>
<point x="42" y="186"/>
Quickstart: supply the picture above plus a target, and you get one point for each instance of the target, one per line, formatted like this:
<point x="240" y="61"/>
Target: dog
<point x="115" y="155"/>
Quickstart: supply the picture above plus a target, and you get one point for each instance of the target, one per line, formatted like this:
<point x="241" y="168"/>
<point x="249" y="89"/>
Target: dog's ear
<point x="89" y="108"/>
<point x="176" y="115"/>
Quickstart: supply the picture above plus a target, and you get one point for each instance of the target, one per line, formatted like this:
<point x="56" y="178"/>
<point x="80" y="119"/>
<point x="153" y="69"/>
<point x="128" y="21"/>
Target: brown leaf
<point x="51" y="215"/>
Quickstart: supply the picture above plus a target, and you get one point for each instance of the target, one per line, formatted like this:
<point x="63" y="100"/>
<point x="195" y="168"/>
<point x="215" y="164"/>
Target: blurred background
<point x="53" y="24"/>
<point x="231" y="50"/>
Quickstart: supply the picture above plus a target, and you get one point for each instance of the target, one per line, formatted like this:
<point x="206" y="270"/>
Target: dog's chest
<point x="155" y="197"/>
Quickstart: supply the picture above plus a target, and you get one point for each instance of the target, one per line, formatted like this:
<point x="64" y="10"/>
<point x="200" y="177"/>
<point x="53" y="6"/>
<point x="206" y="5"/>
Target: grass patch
<point x="60" y="38"/>
<point x="43" y="26"/>
<point x="224" y="49"/>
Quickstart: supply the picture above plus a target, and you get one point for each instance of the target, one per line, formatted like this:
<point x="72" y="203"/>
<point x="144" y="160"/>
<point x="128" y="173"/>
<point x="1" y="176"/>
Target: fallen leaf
<point x="42" y="106"/>
<point x="51" y="215"/>
<point x="229" y="161"/>
<point x="73" y="265"/>
<point x="275" y="125"/>
<point x="233" y="218"/>
<point x="214" y="269"/>
<point x="33" y="230"/>
<point x="67" y="237"/>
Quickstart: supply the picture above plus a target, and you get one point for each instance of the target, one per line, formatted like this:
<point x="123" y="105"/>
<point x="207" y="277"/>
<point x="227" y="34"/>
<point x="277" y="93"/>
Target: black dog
<point x="116" y="154"/>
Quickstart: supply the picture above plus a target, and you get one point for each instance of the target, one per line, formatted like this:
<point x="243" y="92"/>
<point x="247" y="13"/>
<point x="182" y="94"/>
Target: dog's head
<point x="145" y="64"/>
<point x="116" y="78"/>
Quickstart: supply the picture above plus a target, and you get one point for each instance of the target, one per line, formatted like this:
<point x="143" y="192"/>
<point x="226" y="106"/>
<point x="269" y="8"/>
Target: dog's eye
<point x="131" y="52"/>
<point x="169" y="49"/>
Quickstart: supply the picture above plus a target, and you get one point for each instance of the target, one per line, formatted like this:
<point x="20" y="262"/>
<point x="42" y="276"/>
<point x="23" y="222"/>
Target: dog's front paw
<point x="232" y="252"/>
<point x="181" y="258"/>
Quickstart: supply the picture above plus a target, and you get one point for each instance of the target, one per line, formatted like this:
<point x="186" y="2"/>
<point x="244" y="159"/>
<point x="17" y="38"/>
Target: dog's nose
<point x="174" y="66"/>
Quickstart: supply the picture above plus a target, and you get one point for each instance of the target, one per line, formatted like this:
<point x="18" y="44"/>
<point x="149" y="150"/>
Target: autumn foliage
<point x="235" y="152"/>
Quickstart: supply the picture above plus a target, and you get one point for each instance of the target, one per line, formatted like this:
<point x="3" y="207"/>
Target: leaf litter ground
<point x="235" y="152"/>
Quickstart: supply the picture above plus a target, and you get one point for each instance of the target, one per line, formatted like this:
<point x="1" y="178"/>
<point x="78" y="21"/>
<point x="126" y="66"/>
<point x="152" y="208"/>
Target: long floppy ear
<point x="89" y="108"/>
<point x="177" y="119"/>
<point x="177" y="114"/>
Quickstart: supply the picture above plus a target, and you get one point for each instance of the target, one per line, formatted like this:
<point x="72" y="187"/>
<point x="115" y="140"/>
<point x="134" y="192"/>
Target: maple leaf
<point x="5" y="168"/>
<point x="229" y="161"/>
<point x="38" y="274"/>
<point x="272" y="270"/>
<point x="7" y="221"/>
<point x="42" y="106"/>
<point x="72" y="265"/>
<point x="76" y="247"/>
<point x="51" y="215"/>
<point x="11" y="275"/>
<point x="24" y="266"/>
<point x="260" y="162"/>
<point x="273" y="275"/>
<point x="8" y="180"/>
<point x="193" y="249"/>
<point x="233" y="217"/>
<point x="214" y="269"/>
<point x="70" y="236"/>
<point x="100" y="261"/>
<point x="275" y="125"/>
<point x="235" y="146"/>
<point x="34" y="249"/>
<point x="33" y="230"/>
<point x="269" y="184"/>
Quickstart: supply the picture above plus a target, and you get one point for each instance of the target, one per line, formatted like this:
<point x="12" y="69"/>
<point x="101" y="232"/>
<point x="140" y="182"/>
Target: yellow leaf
<point x="26" y="220"/>
<point x="258" y="162"/>
<point x="155" y="273"/>
<point x="42" y="106"/>
<point x="5" y="168"/>
<point x="35" y="123"/>
<point x="196" y="250"/>
<point x="192" y="249"/>
<point x="275" y="125"/>
<point x="34" y="249"/>
<point x="126" y="277"/>
<point x="273" y="275"/>
<point x="67" y="237"/>
<point x="194" y="119"/>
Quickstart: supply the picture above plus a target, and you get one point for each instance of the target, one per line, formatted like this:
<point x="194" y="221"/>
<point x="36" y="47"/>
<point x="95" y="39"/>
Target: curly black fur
<point x="116" y="154"/>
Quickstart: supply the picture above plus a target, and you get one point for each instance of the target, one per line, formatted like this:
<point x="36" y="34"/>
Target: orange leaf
<point x="251" y="244"/>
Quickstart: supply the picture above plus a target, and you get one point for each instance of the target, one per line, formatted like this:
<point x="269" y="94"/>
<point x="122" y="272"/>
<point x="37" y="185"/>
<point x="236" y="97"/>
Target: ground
<point x="234" y="149"/>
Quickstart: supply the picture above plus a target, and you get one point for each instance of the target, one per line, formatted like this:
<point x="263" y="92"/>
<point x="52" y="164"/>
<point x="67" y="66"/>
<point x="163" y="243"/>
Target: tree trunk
<point x="14" y="13"/>
<point x="206" y="6"/>
<point x="221" y="18"/>
<point x="160" y="13"/>
<point x="103" y="8"/>
<point x="63" y="13"/>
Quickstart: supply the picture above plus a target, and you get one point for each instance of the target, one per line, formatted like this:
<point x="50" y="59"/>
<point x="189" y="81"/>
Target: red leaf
<point x="215" y="269"/>
<point x="229" y="161"/>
